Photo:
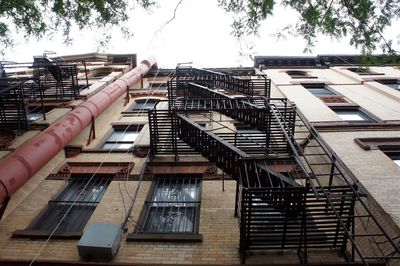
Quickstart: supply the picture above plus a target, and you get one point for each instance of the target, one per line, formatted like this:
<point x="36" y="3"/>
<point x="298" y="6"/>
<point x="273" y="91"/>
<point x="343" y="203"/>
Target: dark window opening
<point x="122" y="138"/>
<point x="74" y="205"/>
<point x="392" y="83"/>
<point x="361" y="71"/>
<point x="174" y="206"/>
<point x="34" y="114"/>
<point x="297" y="74"/>
<point x="155" y="86"/>
<point x="394" y="155"/>
<point x="148" y="104"/>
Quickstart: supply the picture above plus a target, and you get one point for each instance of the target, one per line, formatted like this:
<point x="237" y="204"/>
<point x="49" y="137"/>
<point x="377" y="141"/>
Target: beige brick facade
<point x="220" y="229"/>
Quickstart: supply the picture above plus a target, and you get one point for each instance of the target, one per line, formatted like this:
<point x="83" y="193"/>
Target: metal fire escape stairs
<point x="314" y="203"/>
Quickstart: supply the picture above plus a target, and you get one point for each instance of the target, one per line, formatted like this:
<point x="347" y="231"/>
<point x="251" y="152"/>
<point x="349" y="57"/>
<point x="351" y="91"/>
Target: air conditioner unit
<point x="100" y="241"/>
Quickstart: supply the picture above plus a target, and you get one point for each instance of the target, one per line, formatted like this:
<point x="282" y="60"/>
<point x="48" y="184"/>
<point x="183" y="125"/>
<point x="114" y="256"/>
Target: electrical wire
<point x="86" y="185"/>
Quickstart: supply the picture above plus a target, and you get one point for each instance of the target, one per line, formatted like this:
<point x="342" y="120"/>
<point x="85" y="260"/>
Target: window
<point x="297" y="74"/>
<point x="392" y="83"/>
<point x="140" y="105"/>
<point x="155" y="86"/>
<point x="122" y="138"/>
<point x="318" y="90"/>
<point x="394" y="155"/>
<point x="74" y="204"/>
<point x="34" y="114"/>
<point x="352" y="114"/>
<point x="173" y="207"/>
<point x="361" y="71"/>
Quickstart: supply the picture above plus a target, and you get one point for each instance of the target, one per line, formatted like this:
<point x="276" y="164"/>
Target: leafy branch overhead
<point x="362" y="20"/>
<point x="35" y="18"/>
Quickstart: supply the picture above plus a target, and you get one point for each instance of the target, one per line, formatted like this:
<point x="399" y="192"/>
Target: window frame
<point x="143" y="102"/>
<point x="69" y="194"/>
<point x="158" y="85"/>
<point x="388" y="82"/>
<point x="323" y="86"/>
<point x="363" y="71"/>
<point x="118" y="128"/>
<point x="151" y="203"/>
<point x="368" y="118"/>
<point x="299" y="74"/>
<point x="141" y="232"/>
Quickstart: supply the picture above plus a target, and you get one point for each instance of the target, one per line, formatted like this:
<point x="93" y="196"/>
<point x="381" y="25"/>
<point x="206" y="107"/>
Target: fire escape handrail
<point x="343" y="167"/>
<point x="326" y="195"/>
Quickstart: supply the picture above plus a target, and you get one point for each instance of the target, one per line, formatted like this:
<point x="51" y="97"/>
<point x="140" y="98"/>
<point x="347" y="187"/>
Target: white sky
<point x="199" y="34"/>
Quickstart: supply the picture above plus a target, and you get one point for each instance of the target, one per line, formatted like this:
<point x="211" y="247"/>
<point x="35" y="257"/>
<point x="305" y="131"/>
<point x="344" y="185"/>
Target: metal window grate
<point x="174" y="206"/>
<point x="82" y="196"/>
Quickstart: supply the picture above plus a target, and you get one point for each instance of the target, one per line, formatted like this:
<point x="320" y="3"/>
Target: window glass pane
<point x="144" y="105"/>
<point x="174" y="206"/>
<point x="34" y="115"/>
<point x="78" y="191"/>
<point x="395" y="86"/>
<point x="117" y="146"/>
<point x="171" y="219"/>
<point x="320" y="91"/>
<point x="121" y="139"/>
<point x="351" y="117"/>
<point x="129" y="136"/>
<point x="395" y="156"/>
<point x="176" y="192"/>
<point x="73" y="206"/>
<point x="360" y="70"/>
<point x="296" y="73"/>
<point x="75" y="219"/>
<point x="121" y="135"/>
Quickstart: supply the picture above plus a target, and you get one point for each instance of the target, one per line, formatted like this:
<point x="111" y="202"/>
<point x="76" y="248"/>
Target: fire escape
<point x="27" y="88"/>
<point x="292" y="192"/>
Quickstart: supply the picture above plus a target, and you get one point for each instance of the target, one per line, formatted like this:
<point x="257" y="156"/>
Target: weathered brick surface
<point x="217" y="225"/>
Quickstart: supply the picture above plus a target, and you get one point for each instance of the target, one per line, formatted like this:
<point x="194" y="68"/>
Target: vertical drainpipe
<point x="18" y="167"/>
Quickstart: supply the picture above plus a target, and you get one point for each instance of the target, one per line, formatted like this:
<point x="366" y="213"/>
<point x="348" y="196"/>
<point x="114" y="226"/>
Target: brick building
<point x="292" y="161"/>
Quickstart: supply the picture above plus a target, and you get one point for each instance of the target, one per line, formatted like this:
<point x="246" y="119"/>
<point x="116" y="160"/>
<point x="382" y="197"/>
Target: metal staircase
<point x="292" y="193"/>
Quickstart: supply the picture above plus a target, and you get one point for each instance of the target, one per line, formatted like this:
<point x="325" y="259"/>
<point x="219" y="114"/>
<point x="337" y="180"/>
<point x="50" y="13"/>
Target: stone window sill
<point x="39" y="234"/>
<point x="165" y="237"/>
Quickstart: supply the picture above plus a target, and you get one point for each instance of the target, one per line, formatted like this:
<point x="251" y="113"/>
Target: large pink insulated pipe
<point x="17" y="168"/>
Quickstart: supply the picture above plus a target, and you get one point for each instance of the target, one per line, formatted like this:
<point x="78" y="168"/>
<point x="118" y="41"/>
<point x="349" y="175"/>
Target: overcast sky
<point x="200" y="34"/>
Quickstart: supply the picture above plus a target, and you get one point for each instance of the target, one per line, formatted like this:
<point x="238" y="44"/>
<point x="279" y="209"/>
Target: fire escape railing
<point x="316" y="205"/>
<point x="25" y="87"/>
<point x="12" y="108"/>
<point x="327" y="173"/>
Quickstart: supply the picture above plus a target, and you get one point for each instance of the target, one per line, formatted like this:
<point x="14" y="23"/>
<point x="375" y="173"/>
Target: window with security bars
<point x="74" y="205"/>
<point x="174" y="206"/>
